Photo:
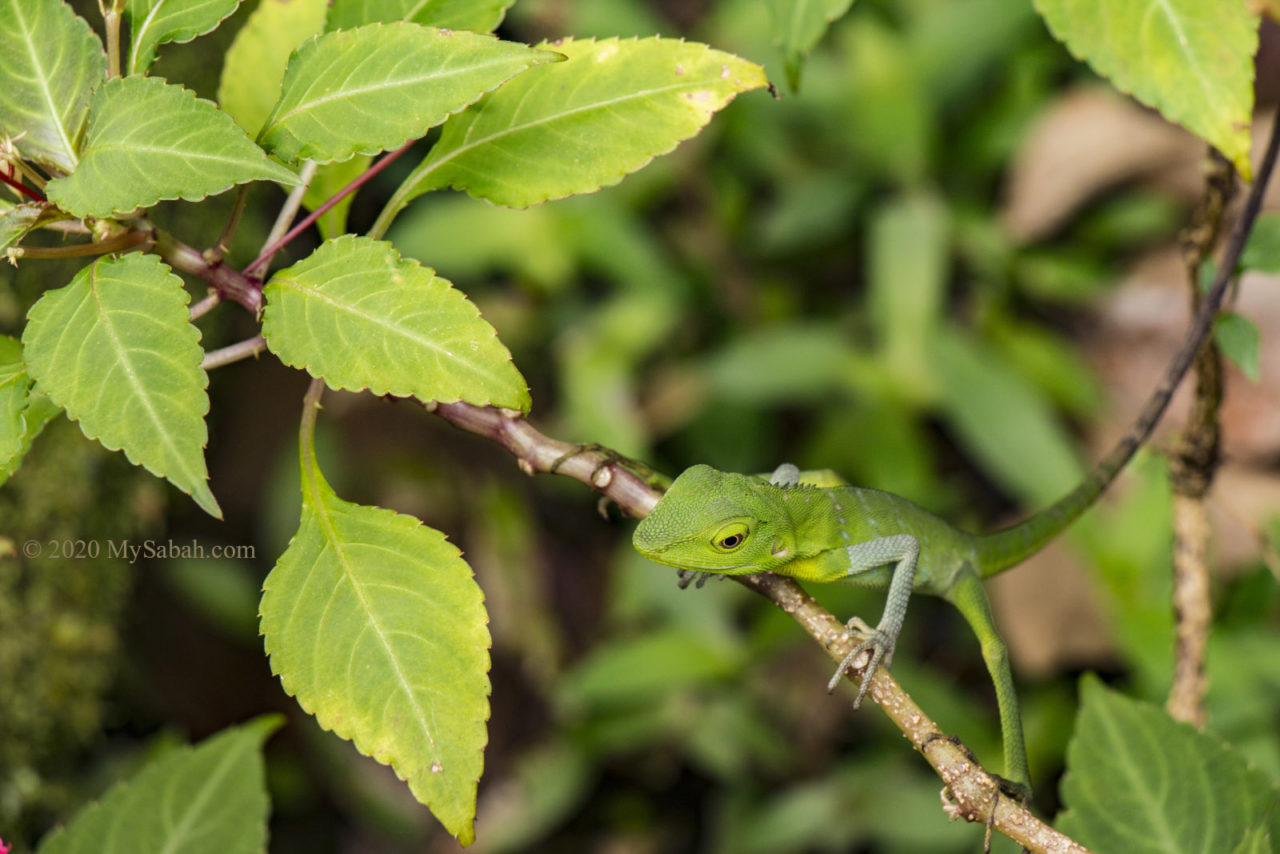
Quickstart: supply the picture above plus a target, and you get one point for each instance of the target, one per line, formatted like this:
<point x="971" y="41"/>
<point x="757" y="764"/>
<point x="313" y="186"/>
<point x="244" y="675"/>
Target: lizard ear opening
<point x="730" y="537"/>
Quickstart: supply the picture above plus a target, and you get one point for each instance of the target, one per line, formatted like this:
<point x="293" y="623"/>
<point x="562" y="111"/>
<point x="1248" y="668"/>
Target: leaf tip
<point x="795" y="69"/>
<point x="466" y="835"/>
<point x="204" y="498"/>
<point x="264" y="726"/>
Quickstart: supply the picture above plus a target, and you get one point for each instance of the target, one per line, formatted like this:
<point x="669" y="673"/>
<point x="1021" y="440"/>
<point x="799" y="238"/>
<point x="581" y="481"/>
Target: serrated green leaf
<point x="1190" y="59"/>
<point x="154" y="22"/>
<point x="1138" y="781"/>
<point x="369" y="89"/>
<point x="15" y="222"/>
<point x="576" y="126"/>
<point x="192" y="800"/>
<point x="1239" y="341"/>
<point x="254" y="66"/>
<point x="358" y="316"/>
<point x="374" y="622"/>
<point x="50" y="61"/>
<point x="115" y="349"/>
<point x="798" y="26"/>
<point x="149" y="140"/>
<point x="482" y="16"/>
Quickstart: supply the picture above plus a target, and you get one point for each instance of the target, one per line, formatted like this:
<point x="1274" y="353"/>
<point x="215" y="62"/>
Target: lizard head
<point x="714" y="521"/>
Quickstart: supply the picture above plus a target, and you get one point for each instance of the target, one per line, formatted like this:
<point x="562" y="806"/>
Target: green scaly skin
<point x="733" y="524"/>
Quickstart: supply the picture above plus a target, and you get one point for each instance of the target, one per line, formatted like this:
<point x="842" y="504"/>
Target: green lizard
<point x="720" y="522"/>
<point x="717" y="522"/>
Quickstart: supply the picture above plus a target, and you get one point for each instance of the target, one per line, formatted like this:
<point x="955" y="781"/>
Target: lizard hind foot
<point x="1016" y="789"/>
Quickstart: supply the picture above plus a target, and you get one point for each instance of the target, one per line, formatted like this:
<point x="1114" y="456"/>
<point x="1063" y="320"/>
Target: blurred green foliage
<point x="59" y="614"/>
<point x="821" y="279"/>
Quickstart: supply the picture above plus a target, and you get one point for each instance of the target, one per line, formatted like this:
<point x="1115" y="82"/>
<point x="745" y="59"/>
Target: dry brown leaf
<point x="1087" y="141"/>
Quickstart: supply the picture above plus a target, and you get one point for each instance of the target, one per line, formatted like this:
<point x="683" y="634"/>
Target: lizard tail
<point x="1004" y="549"/>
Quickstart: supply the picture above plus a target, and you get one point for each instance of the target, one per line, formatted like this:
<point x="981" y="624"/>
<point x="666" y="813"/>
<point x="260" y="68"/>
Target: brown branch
<point x="115" y="243"/>
<point x="974" y="792"/>
<point x="1193" y="609"/>
<point x="1193" y="464"/>
<point x="605" y="472"/>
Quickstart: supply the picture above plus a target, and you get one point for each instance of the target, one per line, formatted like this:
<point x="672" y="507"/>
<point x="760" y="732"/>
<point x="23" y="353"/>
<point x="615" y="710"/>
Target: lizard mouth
<point x="662" y="556"/>
<point x="717" y="568"/>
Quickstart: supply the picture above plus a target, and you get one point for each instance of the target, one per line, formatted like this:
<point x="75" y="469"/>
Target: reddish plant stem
<point x="219" y="249"/>
<point x="306" y="221"/>
<point x="284" y="216"/>
<point x="33" y="195"/>
<point x="229" y="283"/>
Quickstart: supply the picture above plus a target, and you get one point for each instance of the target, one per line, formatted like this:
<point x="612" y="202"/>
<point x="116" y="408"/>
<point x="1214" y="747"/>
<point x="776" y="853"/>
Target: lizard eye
<point x="731" y="536"/>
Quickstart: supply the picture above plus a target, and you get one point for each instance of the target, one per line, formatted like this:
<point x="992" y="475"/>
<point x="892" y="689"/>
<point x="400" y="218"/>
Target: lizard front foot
<point x="692" y="576"/>
<point x="881" y="645"/>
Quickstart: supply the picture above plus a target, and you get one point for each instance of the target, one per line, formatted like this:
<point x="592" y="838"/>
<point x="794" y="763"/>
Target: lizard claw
<point x="881" y="646"/>
<point x="697" y="579"/>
